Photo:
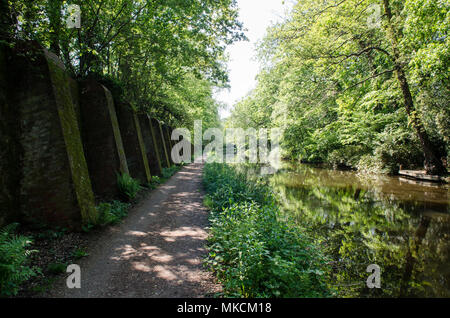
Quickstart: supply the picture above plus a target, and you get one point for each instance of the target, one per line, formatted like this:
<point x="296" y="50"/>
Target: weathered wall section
<point x="149" y="146"/>
<point x="102" y="139"/>
<point x="167" y="134"/>
<point x="67" y="106"/>
<point x="156" y="145"/>
<point x="131" y="135"/>
<point x="53" y="185"/>
<point x="9" y="147"/>
<point x="165" y="147"/>
<point x="158" y="141"/>
<point x="74" y="91"/>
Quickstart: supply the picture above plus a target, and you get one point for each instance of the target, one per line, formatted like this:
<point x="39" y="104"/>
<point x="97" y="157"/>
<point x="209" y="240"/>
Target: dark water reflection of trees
<point x="402" y="226"/>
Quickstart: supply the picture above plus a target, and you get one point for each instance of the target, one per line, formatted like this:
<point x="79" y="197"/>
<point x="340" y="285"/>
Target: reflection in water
<point x="401" y="225"/>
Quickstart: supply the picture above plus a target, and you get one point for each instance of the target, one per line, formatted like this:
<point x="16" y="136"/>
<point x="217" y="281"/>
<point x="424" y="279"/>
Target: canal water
<point x="401" y="225"/>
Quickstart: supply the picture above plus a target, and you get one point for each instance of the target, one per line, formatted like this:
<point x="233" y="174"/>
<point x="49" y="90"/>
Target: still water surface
<point x="399" y="224"/>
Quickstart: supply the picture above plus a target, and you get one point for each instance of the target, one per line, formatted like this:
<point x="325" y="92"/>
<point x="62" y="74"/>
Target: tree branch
<point x="369" y="78"/>
<point x="104" y="44"/>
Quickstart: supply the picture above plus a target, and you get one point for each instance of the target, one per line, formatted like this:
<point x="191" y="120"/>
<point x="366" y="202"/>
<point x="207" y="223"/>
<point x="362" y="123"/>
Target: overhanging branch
<point x="369" y="78"/>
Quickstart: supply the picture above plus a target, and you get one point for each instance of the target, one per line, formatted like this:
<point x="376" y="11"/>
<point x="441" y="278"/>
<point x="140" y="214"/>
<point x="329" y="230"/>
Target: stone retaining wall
<point x="46" y="172"/>
<point x="63" y="142"/>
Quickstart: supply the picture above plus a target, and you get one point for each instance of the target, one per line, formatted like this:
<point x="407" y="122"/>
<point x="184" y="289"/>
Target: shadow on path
<point x="156" y="252"/>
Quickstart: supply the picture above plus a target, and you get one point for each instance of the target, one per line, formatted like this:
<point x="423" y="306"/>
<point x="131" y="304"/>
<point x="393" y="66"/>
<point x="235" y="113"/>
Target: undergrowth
<point x="168" y="172"/>
<point x="128" y="187"/>
<point x="112" y="212"/>
<point x="14" y="253"/>
<point x="252" y="251"/>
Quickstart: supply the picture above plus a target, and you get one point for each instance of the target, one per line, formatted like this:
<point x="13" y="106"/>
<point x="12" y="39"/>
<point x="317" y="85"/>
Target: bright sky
<point x="256" y="15"/>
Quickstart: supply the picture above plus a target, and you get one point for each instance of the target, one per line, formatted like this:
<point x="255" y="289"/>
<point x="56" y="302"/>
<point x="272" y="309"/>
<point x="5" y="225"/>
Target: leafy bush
<point x="397" y="146"/>
<point x="168" y="172"/>
<point x="112" y="213"/>
<point x="345" y="157"/>
<point x="56" y="268"/>
<point x="13" y="259"/>
<point x="114" y="86"/>
<point x="156" y="180"/>
<point x="370" y="165"/>
<point x="79" y="253"/>
<point x="128" y="186"/>
<point x="251" y="250"/>
<point x="51" y="234"/>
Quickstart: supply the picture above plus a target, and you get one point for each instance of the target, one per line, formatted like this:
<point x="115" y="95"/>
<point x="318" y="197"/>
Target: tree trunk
<point x="433" y="165"/>
<point x="410" y="259"/>
<point x="54" y="13"/>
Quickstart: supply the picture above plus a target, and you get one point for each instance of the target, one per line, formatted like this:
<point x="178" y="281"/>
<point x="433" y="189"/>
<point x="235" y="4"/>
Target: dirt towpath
<point x="156" y="252"/>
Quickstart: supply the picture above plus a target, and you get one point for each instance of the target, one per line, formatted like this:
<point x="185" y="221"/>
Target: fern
<point x="112" y="213"/>
<point x="13" y="259"/>
<point x="128" y="186"/>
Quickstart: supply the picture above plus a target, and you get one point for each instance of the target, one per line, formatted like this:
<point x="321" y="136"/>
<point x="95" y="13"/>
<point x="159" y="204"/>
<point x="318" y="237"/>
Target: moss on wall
<point x="158" y="155"/>
<point x="167" y="133"/>
<point x="102" y="141"/>
<point x="43" y="171"/>
<point x="116" y="131"/>
<point x="130" y="140"/>
<point x="150" y="147"/>
<point x="72" y="138"/>
<point x="74" y="90"/>
<point x="163" y="140"/>
<point x="142" y="147"/>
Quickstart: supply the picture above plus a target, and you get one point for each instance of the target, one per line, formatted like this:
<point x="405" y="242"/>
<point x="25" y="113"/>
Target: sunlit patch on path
<point x="157" y="251"/>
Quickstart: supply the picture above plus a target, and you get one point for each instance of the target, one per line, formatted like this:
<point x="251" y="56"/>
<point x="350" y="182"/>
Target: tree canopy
<point x="359" y="83"/>
<point x="164" y="57"/>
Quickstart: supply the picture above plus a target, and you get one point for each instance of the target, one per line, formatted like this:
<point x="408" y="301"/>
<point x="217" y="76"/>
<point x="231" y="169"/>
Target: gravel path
<point x="156" y="252"/>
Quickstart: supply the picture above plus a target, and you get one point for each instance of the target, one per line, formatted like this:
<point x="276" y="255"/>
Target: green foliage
<point x="128" y="186"/>
<point x="13" y="260"/>
<point x="88" y="227"/>
<point x="397" y="146"/>
<point x="253" y="252"/>
<point x="112" y="213"/>
<point x="79" y="253"/>
<point x="51" y="234"/>
<point x="56" y="268"/>
<point x="168" y="172"/>
<point x="164" y="57"/>
<point x="327" y="81"/>
<point x="156" y="180"/>
<point x="45" y="286"/>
